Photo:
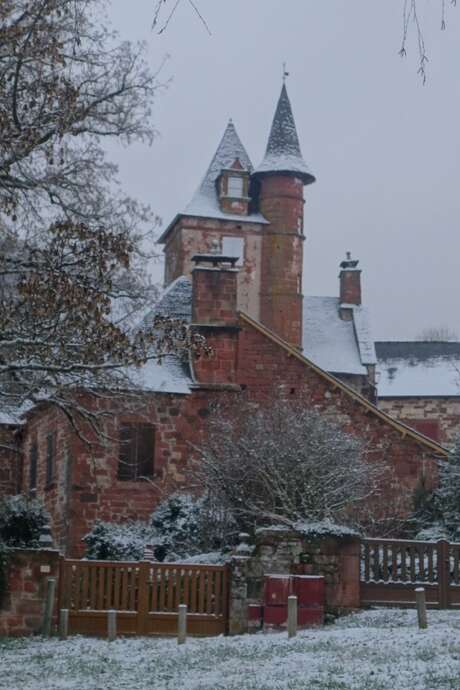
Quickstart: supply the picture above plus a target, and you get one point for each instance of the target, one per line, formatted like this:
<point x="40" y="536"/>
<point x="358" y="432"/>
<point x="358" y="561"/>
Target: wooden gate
<point x="145" y="595"/>
<point x="391" y="570"/>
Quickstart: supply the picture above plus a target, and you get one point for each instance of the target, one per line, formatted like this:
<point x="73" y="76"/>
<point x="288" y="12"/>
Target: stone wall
<point x="442" y="414"/>
<point x="286" y="552"/>
<point x="22" y="607"/>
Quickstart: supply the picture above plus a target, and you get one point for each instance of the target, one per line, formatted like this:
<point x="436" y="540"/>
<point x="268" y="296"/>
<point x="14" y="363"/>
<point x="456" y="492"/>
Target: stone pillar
<point x="22" y="608"/>
<point x="238" y="603"/>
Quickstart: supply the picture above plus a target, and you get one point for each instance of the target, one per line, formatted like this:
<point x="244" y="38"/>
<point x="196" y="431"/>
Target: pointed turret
<point x="283" y="154"/>
<point x="280" y="180"/>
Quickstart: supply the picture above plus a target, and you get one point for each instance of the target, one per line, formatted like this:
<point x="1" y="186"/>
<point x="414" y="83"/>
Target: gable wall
<point x="263" y="367"/>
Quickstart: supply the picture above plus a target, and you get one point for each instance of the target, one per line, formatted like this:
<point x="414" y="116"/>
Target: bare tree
<point x="412" y="23"/>
<point x="438" y="334"/>
<point x="164" y="11"/>
<point x="285" y="463"/>
<point x="72" y="257"/>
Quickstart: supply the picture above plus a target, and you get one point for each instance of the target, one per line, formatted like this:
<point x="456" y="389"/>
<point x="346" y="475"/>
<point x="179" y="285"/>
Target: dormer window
<point x="233" y="189"/>
<point x="235" y="186"/>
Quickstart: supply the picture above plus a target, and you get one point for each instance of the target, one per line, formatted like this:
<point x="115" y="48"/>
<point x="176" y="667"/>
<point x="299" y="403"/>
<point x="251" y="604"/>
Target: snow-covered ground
<point x="374" y="650"/>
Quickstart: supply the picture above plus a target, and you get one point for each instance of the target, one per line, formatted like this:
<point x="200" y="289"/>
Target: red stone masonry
<point x="281" y="302"/>
<point x="22" y="608"/>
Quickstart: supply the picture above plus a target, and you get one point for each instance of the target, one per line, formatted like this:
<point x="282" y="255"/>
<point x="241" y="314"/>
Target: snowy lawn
<point x="373" y="650"/>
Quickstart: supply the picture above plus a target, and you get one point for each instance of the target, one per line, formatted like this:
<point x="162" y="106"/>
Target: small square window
<point x="235" y="186"/>
<point x="234" y="247"/>
<point x="136" y="451"/>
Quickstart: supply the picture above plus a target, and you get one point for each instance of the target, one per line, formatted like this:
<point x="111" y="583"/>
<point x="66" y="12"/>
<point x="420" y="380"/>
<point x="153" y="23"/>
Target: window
<point x="234" y="247"/>
<point x="235" y="186"/>
<point x="137" y="449"/>
<point x="50" y="455"/>
<point x="33" y="466"/>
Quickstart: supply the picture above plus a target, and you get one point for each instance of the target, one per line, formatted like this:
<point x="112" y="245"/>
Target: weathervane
<point x="285" y="74"/>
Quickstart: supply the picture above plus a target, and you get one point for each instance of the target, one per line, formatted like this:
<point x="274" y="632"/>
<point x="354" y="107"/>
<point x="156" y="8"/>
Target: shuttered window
<point x="137" y="451"/>
<point x="427" y="427"/>
<point x="33" y="466"/>
<point x="50" y="458"/>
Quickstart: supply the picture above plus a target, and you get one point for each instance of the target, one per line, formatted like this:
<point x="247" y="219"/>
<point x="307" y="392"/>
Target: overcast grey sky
<point x="384" y="148"/>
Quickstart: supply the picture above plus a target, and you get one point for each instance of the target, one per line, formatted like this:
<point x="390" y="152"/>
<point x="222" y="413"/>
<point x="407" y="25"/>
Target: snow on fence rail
<point x="390" y="567"/>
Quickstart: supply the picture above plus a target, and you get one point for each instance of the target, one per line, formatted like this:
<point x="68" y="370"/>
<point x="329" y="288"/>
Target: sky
<point x="383" y="147"/>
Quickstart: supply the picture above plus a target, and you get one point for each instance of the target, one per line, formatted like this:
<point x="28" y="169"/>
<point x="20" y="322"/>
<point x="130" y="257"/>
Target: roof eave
<point x="307" y="178"/>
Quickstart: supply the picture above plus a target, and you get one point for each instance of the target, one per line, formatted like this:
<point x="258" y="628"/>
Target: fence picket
<point x="389" y="568"/>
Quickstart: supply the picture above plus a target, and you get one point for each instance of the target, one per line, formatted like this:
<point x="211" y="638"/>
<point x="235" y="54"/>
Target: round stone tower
<point x="281" y="178"/>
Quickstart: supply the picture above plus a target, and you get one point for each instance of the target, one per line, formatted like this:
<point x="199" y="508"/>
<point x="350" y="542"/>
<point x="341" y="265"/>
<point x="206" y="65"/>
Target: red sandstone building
<point x="233" y="270"/>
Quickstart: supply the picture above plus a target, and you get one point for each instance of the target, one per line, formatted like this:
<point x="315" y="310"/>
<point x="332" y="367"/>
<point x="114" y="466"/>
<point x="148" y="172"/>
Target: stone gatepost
<point x="284" y="551"/>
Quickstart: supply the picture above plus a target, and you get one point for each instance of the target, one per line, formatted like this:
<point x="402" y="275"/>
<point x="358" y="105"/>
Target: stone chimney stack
<point x="215" y="316"/>
<point x="350" y="285"/>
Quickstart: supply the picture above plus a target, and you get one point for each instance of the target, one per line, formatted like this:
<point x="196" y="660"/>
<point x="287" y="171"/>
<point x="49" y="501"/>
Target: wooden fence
<point x="145" y="595"/>
<point x="391" y="569"/>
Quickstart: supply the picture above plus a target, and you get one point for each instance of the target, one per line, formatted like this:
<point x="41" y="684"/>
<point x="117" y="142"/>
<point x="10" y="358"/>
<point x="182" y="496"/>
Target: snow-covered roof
<point x="340" y="347"/>
<point x="330" y="342"/>
<point x="205" y="202"/>
<point x="173" y="374"/>
<point x="283" y="152"/>
<point x="418" y="368"/>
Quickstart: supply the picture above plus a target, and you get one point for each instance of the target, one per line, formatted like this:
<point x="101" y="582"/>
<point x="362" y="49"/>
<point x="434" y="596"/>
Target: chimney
<point x="350" y="286"/>
<point x="215" y="316"/>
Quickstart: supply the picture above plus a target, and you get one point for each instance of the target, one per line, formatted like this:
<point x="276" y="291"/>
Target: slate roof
<point x="283" y="152"/>
<point x="205" y="202"/>
<point x="335" y="345"/>
<point x="172" y="375"/>
<point x="418" y="369"/>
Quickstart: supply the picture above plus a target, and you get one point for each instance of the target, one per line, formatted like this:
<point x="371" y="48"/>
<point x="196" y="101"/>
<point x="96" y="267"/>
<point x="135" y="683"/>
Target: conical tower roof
<point x="205" y="202"/>
<point x="230" y="148"/>
<point x="283" y="154"/>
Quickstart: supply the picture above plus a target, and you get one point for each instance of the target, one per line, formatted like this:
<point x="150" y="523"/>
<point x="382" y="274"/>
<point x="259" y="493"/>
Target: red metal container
<point x="277" y="588"/>
<point x="310" y="616"/>
<point x="275" y="616"/>
<point x="309" y="590"/>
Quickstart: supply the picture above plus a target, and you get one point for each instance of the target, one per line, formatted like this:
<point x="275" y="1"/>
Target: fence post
<point x="292" y="616"/>
<point x="182" y="624"/>
<point x="443" y="573"/>
<point x="49" y="605"/>
<point x="63" y="624"/>
<point x="143" y="597"/>
<point x="111" y="625"/>
<point x="421" y="607"/>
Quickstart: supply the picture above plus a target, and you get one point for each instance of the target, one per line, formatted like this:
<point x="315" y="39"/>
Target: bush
<point x="180" y="527"/>
<point x="118" y="542"/>
<point x="21" y="521"/>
